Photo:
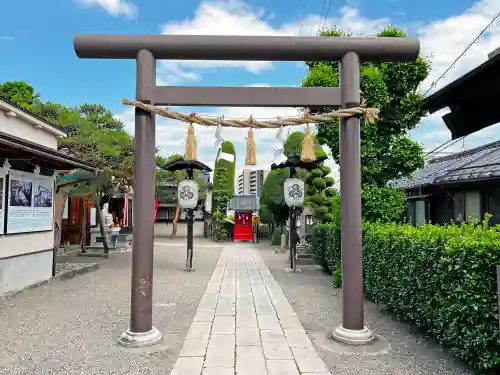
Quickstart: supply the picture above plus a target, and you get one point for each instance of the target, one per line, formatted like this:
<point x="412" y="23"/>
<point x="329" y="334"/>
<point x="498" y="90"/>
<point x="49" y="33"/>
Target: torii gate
<point x="146" y="49"/>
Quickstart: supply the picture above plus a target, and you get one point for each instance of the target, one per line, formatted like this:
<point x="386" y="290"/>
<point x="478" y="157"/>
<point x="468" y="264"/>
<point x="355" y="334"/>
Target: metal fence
<point x="261" y="231"/>
<point x="208" y="230"/>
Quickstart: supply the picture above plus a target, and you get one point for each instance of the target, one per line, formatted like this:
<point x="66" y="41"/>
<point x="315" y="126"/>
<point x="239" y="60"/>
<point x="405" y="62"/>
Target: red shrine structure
<point x="244" y="207"/>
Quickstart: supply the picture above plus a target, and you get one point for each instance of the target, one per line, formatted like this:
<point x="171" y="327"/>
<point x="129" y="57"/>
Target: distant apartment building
<point x="251" y="181"/>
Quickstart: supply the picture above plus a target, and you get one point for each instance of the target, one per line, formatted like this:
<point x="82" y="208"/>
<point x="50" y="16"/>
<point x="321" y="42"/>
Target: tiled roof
<point x="477" y="163"/>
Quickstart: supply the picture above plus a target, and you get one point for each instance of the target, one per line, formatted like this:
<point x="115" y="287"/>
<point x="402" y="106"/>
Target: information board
<point x="30" y="202"/>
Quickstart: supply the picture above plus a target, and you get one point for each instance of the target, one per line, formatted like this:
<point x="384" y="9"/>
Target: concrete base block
<point x="131" y="339"/>
<point x="353" y="337"/>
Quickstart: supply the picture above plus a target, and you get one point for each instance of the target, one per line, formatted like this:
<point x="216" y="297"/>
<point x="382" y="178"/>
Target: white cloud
<point x="234" y="17"/>
<point x="444" y="40"/>
<point x="115" y="8"/>
<point x="171" y="134"/>
<point x="441" y="39"/>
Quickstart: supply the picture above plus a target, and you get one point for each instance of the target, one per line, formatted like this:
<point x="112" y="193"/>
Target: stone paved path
<point x="244" y="325"/>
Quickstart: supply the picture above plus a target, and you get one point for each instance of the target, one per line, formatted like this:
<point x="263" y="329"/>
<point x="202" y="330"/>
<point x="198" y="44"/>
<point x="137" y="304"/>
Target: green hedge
<point x="276" y="237"/>
<point x="326" y="246"/>
<point x="440" y="278"/>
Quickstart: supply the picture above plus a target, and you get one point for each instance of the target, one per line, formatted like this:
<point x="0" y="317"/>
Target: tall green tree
<point x="100" y="115"/>
<point x="20" y="93"/>
<point x="387" y="151"/>
<point x="164" y="180"/>
<point x="94" y="135"/>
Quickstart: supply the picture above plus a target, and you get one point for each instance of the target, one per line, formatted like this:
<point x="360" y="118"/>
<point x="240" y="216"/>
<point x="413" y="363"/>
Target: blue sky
<point x="36" y="46"/>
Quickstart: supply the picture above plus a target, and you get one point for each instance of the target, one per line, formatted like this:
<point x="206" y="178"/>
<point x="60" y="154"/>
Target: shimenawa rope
<point x="308" y="153"/>
<point x="370" y="114"/>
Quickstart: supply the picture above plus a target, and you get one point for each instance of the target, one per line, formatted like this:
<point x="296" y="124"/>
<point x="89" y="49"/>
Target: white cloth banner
<point x="226" y="156"/>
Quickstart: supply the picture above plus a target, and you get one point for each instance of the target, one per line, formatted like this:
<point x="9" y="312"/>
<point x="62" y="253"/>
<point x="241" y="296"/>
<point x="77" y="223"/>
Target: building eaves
<point x="31" y="117"/>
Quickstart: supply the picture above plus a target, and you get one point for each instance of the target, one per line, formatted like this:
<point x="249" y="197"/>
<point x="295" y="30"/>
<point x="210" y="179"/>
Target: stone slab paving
<point x="245" y="325"/>
<point x="319" y="308"/>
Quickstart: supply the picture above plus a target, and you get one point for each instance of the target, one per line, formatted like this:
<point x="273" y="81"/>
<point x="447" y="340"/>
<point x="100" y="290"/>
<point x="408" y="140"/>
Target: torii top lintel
<point x="250" y="48"/>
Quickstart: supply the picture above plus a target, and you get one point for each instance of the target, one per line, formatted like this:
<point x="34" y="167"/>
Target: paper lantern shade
<point x="187" y="194"/>
<point x="293" y="188"/>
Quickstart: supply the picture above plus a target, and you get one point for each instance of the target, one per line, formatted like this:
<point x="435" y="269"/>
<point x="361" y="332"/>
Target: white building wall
<point x="26" y="258"/>
<point x="19" y="272"/>
<point x="21" y="128"/>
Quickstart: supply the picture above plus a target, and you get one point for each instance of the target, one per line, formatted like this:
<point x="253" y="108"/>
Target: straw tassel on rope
<point x="190" y="154"/>
<point x="307" y="151"/>
<point x="251" y="156"/>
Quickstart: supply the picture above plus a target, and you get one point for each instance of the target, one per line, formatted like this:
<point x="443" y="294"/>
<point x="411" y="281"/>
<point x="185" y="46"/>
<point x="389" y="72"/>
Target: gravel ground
<point x="63" y="266"/>
<point x="72" y="327"/>
<point x="318" y="306"/>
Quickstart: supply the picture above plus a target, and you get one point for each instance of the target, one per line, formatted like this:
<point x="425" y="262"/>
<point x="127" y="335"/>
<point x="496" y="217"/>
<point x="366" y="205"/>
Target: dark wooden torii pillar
<point x="146" y="49"/>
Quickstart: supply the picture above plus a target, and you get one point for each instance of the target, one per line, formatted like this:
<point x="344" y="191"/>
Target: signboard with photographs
<point x="30" y="200"/>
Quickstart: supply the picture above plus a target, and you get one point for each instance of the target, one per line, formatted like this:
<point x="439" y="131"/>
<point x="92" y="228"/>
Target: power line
<point x="476" y="40"/>
<point x="320" y="17"/>
<point x="325" y="17"/>
<point x="440" y="147"/>
<point x="446" y="144"/>
<point x="302" y="16"/>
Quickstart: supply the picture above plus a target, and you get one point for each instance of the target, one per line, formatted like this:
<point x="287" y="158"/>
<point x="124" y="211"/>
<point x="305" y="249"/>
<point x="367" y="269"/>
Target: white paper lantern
<point x="187" y="194"/>
<point x="293" y="188"/>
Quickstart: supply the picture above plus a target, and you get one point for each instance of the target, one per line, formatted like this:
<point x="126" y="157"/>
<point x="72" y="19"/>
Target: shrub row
<point x="440" y="278"/>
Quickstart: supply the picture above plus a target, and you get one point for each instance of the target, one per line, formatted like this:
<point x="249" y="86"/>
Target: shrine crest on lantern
<point x="187" y="194"/>
<point x="293" y="189"/>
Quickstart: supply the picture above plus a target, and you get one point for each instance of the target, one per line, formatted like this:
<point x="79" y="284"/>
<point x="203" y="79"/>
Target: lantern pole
<point x="189" y="255"/>
<point x="292" y="229"/>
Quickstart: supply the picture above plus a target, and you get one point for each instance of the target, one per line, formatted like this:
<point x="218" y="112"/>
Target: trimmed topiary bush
<point x="220" y="226"/>
<point x="224" y="181"/>
<point x="272" y="198"/>
<point x="319" y="183"/>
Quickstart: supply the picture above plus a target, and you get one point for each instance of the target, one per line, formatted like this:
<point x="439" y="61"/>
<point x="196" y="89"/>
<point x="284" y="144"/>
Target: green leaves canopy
<point x="94" y="135"/>
<point x="166" y="181"/>
<point x="387" y="151"/>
